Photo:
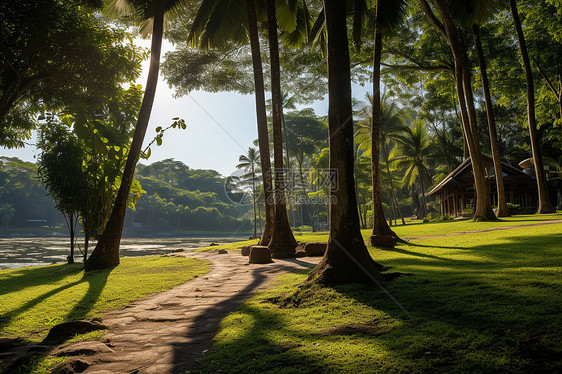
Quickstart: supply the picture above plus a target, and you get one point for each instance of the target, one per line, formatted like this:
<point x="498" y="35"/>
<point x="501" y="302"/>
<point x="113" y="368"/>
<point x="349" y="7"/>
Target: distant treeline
<point x="177" y="199"/>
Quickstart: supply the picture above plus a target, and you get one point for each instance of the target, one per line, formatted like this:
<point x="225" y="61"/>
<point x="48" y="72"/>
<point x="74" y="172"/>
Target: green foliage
<point x="434" y="216"/>
<point x="513" y="208"/>
<point x="103" y="135"/>
<point x="35" y="299"/>
<point x="20" y="188"/>
<point x="60" y="158"/>
<point x="54" y="52"/>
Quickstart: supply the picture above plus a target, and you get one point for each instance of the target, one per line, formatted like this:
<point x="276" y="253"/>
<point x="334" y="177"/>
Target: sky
<point x="220" y="126"/>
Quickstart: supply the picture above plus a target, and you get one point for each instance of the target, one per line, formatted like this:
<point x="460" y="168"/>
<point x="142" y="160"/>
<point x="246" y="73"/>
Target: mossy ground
<point x="482" y="302"/>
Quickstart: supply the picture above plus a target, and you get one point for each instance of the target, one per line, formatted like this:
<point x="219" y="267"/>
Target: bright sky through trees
<point x="221" y="126"/>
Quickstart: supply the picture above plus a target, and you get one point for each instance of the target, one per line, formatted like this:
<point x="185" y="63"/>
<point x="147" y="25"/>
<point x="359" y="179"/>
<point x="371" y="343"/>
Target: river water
<point x="21" y="252"/>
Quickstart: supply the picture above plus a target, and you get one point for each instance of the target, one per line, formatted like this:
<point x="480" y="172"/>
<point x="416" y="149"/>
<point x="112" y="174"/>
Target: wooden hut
<point x="456" y="192"/>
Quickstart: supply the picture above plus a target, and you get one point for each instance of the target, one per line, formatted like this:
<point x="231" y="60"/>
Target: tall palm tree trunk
<point x="502" y="210"/>
<point x="254" y="200"/>
<point x="106" y="253"/>
<point x="380" y="226"/>
<point x="483" y="211"/>
<point x="392" y="183"/>
<point x="545" y="205"/>
<point x="346" y="258"/>
<point x="263" y="137"/>
<point x="282" y="243"/>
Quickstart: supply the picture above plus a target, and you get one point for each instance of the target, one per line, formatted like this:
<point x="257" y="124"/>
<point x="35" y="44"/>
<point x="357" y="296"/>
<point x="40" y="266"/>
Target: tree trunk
<point x="71" y="229"/>
<point x="502" y="210"/>
<point x="307" y="203"/>
<point x="385" y="147"/>
<point x="106" y="253"/>
<point x="346" y="258"/>
<point x="254" y="200"/>
<point x="263" y="137"/>
<point x="545" y="205"/>
<point x="86" y="245"/>
<point x="416" y="202"/>
<point x="282" y="243"/>
<point x="380" y="227"/>
<point x="483" y="211"/>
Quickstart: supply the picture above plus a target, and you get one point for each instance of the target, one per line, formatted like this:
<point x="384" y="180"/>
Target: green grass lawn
<point x="416" y="228"/>
<point x="485" y="302"/>
<point x="34" y="299"/>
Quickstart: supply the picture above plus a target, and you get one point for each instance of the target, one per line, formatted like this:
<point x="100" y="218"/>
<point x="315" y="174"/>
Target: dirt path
<point x="170" y="331"/>
<point x="484" y="230"/>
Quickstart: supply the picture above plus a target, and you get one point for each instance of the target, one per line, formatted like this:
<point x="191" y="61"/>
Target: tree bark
<point x="346" y="258"/>
<point x="282" y="243"/>
<point x="254" y="200"/>
<point x="263" y="137"/>
<point x="483" y="211"/>
<point x="385" y="147"/>
<point x="502" y="210"/>
<point x="416" y="202"/>
<point x="545" y="205"/>
<point x="380" y="226"/>
<point x="106" y="252"/>
<point x="71" y="229"/>
<point x="86" y="245"/>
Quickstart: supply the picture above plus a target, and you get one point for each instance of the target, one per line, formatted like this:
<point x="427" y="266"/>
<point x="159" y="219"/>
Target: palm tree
<point x="502" y="210"/>
<point x="545" y="206"/>
<point x="346" y="258"/>
<point x="250" y="163"/>
<point x="392" y="126"/>
<point x="263" y="137"/>
<point x="7" y="212"/>
<point x="106" y="253"/>
<point x="210" y="31"/>
<point x="388" y="15"/>
<point x="463" y="84"/>
<point x="413" y="154"/>
<point x="473" y="14"/>
<point x="283" y="243"/>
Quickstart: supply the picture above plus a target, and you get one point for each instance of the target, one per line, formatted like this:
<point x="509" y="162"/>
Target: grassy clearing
<point x="416" y="228"/>
<point x="486" y="302"/>
<point x="32" y="300"/>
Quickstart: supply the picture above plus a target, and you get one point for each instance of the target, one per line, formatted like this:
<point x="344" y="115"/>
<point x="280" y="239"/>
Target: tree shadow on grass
<point x="39" y="276"/>
<point x="416" y="254"/>
<point x="508" y="301"/>
<point x="96" y="283"/>
<point x="253" y="351"/>
<point x="496" y="315"/>
<point x="27" y="359"/>
<point x="188" y="355"/>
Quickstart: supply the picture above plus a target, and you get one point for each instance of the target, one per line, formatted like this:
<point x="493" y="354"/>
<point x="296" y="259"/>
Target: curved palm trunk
<point x="346" y="258"/>
<point x="263" y="137"/>
<point x="106" y="252"/>
<point x="545" y="205"/>
<point x="282" y="243"/>
<point x="483" y="211"/>
<point x="380" y="226"/>
<point x="502" y="210"/>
